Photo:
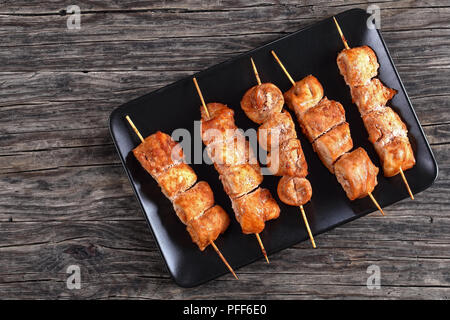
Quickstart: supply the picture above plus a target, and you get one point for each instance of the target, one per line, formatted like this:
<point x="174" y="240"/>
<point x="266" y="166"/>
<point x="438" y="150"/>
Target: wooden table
<point x="65" y="199"/>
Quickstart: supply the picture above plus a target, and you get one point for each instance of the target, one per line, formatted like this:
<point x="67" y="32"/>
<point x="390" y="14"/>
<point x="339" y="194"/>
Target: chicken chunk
<point x="294" y="191"/>
<point x="288" y="160"/>
<point x="176" y="179"/>
<point x="304" y="95"/>
<point x="333" y="144"/>
<point x="384" y="124"/>
<point x="321" y="118"/>
<point x="356" y="173"/>
<point x="219" y="126"/>
<point x="395" y="154"/>
<point x="214" y="109"/>
<point x="262" y="101"/>
<point x="371" y="96"/>
<point x="241" y="179"/>
<point x="276" y="130"/>
<point x="157" y="153"/>
<point x="253" y="209"/>
<point x="357" y="65"/>
<point x="207" y="227"/>
<point x="233" y="151"/>
<point x="192" y="203"/>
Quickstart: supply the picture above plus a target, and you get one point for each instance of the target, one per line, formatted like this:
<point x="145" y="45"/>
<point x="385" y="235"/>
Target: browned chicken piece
<point x="241" y="179"/>
<point x="357" y="65"/>
<point x="395" y="154"/>
<point x="356" y="173"/>
<point x="214" y="109"/>
<point x="253" y="209"/>
<point x="206" y="228"/>
<point x="384" y="124"/>
<point x="248" y="158"/>
<point x="233" y="151"/>
<point x="294" y="191"/>
<point x="220" y="126"/>
<point x="276" y="130"/>
<point x="157" y="153"/>
<point x="289" y="160"/>
<point x="333" y="144"/>
<point x="321" y="118"/>
<point x="193" y="202"/>
<point x="371" y="96"/>
<point x="262" y="101"/>
<point x="176" y="179"/>
<point x="304" y="95"/>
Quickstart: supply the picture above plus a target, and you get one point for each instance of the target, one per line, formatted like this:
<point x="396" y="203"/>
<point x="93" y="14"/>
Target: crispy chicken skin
<point x="395" y="154"/>
<point x="220" y="126"/>
<point x="262" y="101"/>
<point x="253" y="209"/>
<point x="333" y="144"/>
<point x="304" y="95"/>
<point x="276" y="130"/>
<point x="321" y="118"/>
<point x="294" y="191"/>
<point x="157" y="153"/>
<point x="208" y="226"/>
<point x="176" y="179"/>
<point x="356" y="173"/>
<point x="357" y="65"/>
<point x="241" y="179"/>
<point x="371" y="96"/>
<point x="289" y="160"/>
<point x="192" y="203"/>
<point x="384" y="124"/>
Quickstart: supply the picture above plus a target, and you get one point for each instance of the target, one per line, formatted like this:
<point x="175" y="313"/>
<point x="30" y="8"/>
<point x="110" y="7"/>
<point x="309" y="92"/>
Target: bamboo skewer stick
<point x="262" y="247"/>
<point x="207" y="113"/>
<point x="201" y="96"/>
<point x="293" y="82"/>
<point x="211" y="242"/>
<point x="341" y="34"/>
<point x="223" y="259"/>
<point x="347" y="47"/>
<point x="406" y="184"/>
<point x="307" y="227"/>
<point x="376" y="203"/>
<point x="255" y="70"/>
<point x="283" y="68"/>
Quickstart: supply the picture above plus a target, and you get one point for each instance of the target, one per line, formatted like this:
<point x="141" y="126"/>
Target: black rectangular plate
<point x="312" y="50"/>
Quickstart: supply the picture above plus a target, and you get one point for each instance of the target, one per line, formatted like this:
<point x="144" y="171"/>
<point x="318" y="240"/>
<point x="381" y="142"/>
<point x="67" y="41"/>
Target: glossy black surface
<point x="312" y="50"/>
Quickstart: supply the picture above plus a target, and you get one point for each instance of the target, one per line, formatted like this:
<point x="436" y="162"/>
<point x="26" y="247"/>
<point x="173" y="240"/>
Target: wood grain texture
<point x="64" y="197"/>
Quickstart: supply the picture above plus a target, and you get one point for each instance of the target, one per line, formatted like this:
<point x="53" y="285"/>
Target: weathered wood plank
<point x="65" y="199"/>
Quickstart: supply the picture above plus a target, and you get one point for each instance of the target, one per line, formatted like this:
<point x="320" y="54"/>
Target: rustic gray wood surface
<point x="65" y="199"/>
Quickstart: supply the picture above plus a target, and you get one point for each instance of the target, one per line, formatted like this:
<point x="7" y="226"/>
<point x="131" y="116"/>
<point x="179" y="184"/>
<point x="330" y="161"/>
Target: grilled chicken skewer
<point x="193" y="202"/>
<point x="263" y="104"/>
<point x="323" y="123"/>
<point x="387" y="132"/>
<point x="238" y="168"/>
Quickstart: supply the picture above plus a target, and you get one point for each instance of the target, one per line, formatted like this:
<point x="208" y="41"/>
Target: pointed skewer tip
<point x="376" y="203"/>
<point x="223" y="259"/>
<point x="406" y="184"/>
<point x="311" y="237"/>
<point x="262" y="247"/>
